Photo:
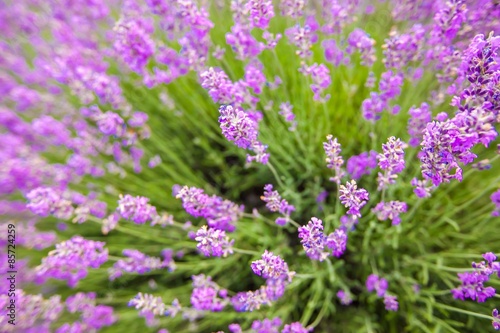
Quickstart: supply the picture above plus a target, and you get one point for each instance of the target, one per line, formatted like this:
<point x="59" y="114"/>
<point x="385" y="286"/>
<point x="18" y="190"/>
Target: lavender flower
<point x="136" y="209"/>
<point x="151" y="306"/>
<point x="71" y="259"/>
<point x="495" y="198"/>
<point x="391" y="302"/>
<point x="219" y="86"/>
<point x="416" y="124"/>
<point x="287" y="113"/>
<point x="244" y="45"/>
<point x="45" y="201"/>
<point x="353" y="198"/>
<point x="205" y="295"/>
<point x="496" y="320"/>
<point x="266" y="325"/>
<point x="237" y="126"/>
<point x="377" y="284"/>
<point x="313" y="239"/>
<point x="270" y="266"/>
<point x="219" y="213"/>
<point x="111" y="123"/>
<point x="154" y="161"/>
<point x="337" y="242"/>
<point x="391" y="160"/>
<point x="213" y="242"/>
<point x="303" y="38"/>
<point x="261" y="12"/>
<point x="390" y="210"/>
<point x="295" y="328"/>
<point x="321" y="80"/>
<point x="362" y="164"/>
<point x="488" y="267"/>
<point x="344" y="297"/>
<point x="292" y="8"/>
<point x="422" y="188"/>
<point x="133" y="41"/>
<point x="275" y="203"/>
<point x="473" y="287"/>
<point x="334" y="158"/>
<point x="36" y="312"/>
<point x="360" y="41"/>
<point x="138" y="262"/>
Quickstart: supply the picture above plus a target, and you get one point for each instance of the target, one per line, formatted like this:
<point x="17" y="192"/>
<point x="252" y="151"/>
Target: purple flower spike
<point x="390" y="210"/>
<point x="295" y="328"/>
<point x="261" y="12"/>
<point x="344" y="297"/>
<point x="416" y="124"/>
<point x="392" y="161"/>
<point x="237" y="126"/>
<point x="362" y="164"/>
<point x="353" y="198"/>
<point x="213" y="242"/>
<point x="270" y="266"/>
<point x="337" y="242"/>
<point x="275" y="203"/>
<point x="334" y="158"/>
<point x="391" y="303"/>
<point x="496" y="319"/>
<point x="111" y="123"/>
<point x="219" y="213"/>
<point x="136" y="209"/>
<point x="495" y="198"/>
<point x="313" y="239"/>
<point x="473" y="287"/>
<point x="71" y="259"/>
<point x="378" y="284"/>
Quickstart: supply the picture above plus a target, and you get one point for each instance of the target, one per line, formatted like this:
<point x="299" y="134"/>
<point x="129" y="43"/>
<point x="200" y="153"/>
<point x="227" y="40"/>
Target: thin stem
<point x="295" y="224"/>
<point x="452" y="308"/>
<point x="320" y="315"/>
<point x="275" y="173"/>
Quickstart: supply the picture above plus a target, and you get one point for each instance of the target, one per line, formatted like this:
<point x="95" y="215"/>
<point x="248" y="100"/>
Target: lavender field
<point x="249" y="166"/>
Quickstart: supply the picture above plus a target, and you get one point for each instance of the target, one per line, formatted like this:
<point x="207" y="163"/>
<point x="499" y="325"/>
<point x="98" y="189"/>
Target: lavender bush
<point x="250" y="165"/>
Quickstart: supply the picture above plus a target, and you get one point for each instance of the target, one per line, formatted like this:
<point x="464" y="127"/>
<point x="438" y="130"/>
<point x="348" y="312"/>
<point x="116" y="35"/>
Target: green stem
<point x="275" y="173"/>
<point x="452" y="308"/>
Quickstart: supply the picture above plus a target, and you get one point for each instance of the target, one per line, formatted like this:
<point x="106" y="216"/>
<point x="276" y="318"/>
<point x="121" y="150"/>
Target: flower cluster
<point x="33" y="312"/>
<point x="362" y="164"/>
<point x="213" y="242"/>
<point x="239" y="127"/>
<point x="207" y="295"/>
<point x="334" y="158"/>
<point x="419" y="117"/>
<point x="44" y="201"/>
<point x="275" y="203"/>
<point x="390" y="210"/>
<point x="380" y="286"/>
<point x="270" y="326"/>
<point x="71" y="259"/>
<point x="136" y="209"/>
<point x="219" y="213"/>
<point x="315" y="241"/>
<point x="92" y="316"/>
<point x="151" y="306"/>
<point x="392" y="161"/>
<point x="353" y="198"/>
<point x="138" y="262"/>
<point x="275" y="270"/>
<point x="270" y="266"/>
<point x="473" y="282"/>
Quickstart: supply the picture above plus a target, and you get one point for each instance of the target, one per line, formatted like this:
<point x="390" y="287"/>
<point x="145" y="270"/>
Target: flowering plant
<point x="249" y="165"/>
